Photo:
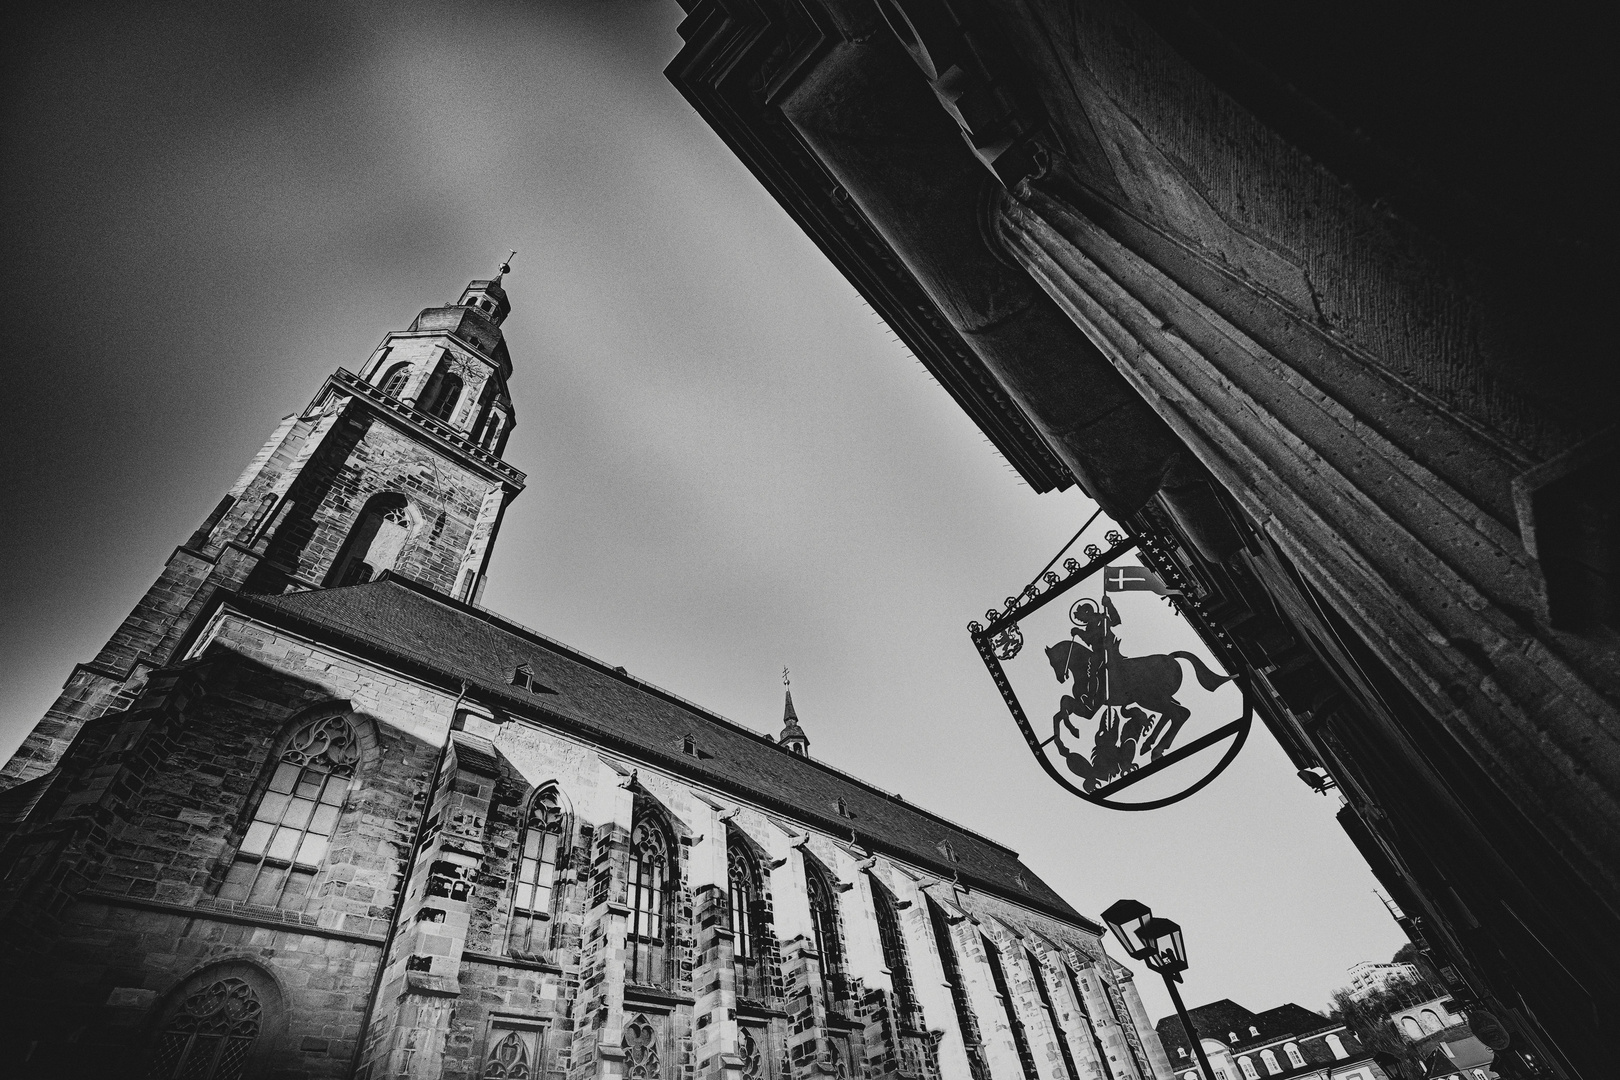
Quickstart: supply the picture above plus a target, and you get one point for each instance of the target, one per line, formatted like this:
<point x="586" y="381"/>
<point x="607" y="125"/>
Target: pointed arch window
<point x="966" y="1021"/>
<point x="998" y="976"/>
<point x="538" y="856"/>
<point x="374" y="543"/>
<point x="1045" y="993"/>
<point x="827" y="927"/>
<point x="893" y="942"/>
<point x="211" y="1035"/>
<point x="286" y="841"/>
<point x="398" y="377"/>
<point x="743" y="895"/>
<point x="515" y="1054"/>
<point x="648" y="945"/>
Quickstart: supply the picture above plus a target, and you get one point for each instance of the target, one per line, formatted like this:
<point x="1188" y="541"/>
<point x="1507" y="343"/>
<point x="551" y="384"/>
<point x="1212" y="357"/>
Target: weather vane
<point x="506" y="263"/>
<point x="785" y="680"/>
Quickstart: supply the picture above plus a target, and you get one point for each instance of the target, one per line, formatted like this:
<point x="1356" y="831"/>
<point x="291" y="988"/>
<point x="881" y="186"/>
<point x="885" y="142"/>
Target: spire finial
<point x="785" y="680"/>
<point x="506" y="263"/>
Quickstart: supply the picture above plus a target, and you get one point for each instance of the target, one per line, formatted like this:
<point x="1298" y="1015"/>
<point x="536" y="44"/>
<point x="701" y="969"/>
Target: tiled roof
<point x="1221" y="1019"/>
<point x="407" y="623"/>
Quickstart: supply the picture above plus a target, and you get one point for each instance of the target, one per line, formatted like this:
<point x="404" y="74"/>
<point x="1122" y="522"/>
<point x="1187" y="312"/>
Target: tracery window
<point x="515" y="1054"/>
<point x="893" y="943"/>
<point x="965" y="1019"/>
<point x="753" y="1057"/>
<point x="641" y="1057"/>
<point x="374" y="543"/>
<point x="286" y="841"/>
<point x="743" y="892"/>
<point x="537" y="873"/>
<point x="650" y="877"/>
<point x="825" y="922"/>
<point x="210" y="1037"/>
<point x="398" y="377"/>
<point x="998" y="975"/>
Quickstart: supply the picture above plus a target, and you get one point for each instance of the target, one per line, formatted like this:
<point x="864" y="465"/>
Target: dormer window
<point x="523" y="677"/>
<point x="1254" y="1031"/>
<point x="689" y="746"/>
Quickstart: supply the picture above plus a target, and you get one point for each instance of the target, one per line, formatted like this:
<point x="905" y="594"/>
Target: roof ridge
<point x="618" y="672"/>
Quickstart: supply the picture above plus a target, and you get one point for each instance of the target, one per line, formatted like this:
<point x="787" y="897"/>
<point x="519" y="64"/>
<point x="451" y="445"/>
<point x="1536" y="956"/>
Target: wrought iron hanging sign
<point x="1140" y="716"/>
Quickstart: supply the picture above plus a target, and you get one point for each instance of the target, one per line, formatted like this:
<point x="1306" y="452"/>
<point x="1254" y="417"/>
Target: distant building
<point x="1289" y="1042"/>
<point x="1367" y="977"/>
<point x="1426" y="1018"/>
<point x="1442" y="1040"/>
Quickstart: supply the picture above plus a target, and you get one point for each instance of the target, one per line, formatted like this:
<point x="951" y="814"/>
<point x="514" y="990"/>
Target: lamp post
<point x="1158" y="942"/>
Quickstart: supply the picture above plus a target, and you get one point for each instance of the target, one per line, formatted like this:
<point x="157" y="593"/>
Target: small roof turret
<point x="793" y="737"/>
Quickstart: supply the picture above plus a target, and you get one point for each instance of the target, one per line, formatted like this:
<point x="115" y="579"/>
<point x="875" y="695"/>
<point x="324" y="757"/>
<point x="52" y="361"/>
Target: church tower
<point x="396" y="469"/>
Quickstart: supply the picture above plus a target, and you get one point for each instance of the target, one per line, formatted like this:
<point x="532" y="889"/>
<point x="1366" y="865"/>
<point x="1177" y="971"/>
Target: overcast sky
<point x="733" y="466"/>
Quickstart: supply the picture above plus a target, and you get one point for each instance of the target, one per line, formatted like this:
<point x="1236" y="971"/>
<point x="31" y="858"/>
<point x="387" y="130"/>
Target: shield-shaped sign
<point x="1116" y="695"/>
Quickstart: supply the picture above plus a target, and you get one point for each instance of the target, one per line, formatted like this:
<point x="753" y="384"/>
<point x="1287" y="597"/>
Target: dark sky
<point x="733" y="465"/>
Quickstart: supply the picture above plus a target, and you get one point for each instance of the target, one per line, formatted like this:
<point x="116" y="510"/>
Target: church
<point x="314" y="812"/>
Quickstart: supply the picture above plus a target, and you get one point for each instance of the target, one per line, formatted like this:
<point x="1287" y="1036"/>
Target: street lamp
<point x="1158" y="942"/>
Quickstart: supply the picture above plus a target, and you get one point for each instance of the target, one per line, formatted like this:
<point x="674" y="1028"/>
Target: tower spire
<point x="793" y="737"/>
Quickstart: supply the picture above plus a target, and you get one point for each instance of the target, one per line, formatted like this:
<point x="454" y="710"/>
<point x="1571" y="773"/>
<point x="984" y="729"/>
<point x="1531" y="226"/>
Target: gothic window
<point x="1085" y="1013"/>
<point x="753" y="1057"/>
<point x="824" y="921"/>
<point x="998" y="975"/>
<point x="1269" y="1060"/>
<point x="375" y="542"/>
<point x="650" y="902"/>
<point x="394" y="383"/>
<point x="965" y="1020"/>
<point x="210" y="1037"/>
<point x="1295" y="1058"/>
<point x="893" y="942"/>
<point x="1045" y="993"/>
<point x="515" y="1054"/>
<point x="743" y="893"/>
<point x="543" y="834"/>
<point x="641" y="1058"/>
<point x="286" y="841"/>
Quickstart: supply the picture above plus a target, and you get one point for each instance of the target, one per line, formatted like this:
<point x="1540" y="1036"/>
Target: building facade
<point x="1305" y="298"/>
<point x="1289" y="1041"/>
<point x="1370" y="977"/>
<point x="314" y="813"/>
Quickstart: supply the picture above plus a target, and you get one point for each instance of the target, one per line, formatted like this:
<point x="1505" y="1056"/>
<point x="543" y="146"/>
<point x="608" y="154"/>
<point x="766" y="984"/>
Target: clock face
<point x="1120" y="700"/>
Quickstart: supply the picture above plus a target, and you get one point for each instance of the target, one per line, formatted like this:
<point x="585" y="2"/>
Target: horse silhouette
<point x="1135" y="685"/>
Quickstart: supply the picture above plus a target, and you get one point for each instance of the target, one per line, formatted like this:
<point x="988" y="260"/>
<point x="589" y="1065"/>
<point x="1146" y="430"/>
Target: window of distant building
<point x="651" y="874"/>
<point x="1336" y="1045"/>
<point x="744" y="892"/>
<point x="286" y="840"/>
<point x="1431" y="1020"/>
<point x="1269" y="1060"/>
<point x="543" y="834"/>
<point x="1411" y="1028"/>
<point x="1295" y="1058"/>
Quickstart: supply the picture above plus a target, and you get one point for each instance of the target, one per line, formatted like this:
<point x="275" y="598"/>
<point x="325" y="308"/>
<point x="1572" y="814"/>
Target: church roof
<point x="415" y="628"/>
